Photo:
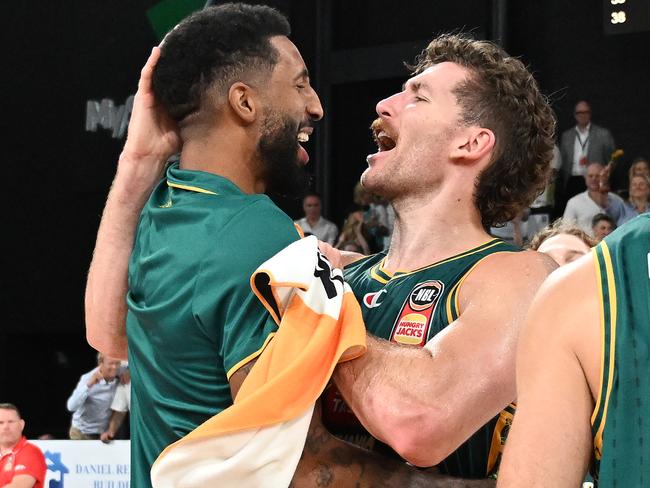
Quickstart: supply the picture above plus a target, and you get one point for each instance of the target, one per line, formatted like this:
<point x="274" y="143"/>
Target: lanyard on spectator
<point x="582" y="143"/>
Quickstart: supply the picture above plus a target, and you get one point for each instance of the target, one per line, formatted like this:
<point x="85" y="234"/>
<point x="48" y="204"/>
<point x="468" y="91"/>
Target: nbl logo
<point x="425" y="294"/>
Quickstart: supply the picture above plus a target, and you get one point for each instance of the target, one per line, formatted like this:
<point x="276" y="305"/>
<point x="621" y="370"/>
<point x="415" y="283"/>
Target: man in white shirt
<point x="314" y="223"/>
<point x="582" y="208"/>
<point x="91" y="400"/>
<point x="583" y="143"/>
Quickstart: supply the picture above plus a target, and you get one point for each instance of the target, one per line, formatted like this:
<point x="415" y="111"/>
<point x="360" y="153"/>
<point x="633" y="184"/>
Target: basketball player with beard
<point x="232" y="92"/>
<point x="241" y="101"/>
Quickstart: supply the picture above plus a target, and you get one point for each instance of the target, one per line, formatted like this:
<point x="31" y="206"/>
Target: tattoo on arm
<point x="327" y="462"/>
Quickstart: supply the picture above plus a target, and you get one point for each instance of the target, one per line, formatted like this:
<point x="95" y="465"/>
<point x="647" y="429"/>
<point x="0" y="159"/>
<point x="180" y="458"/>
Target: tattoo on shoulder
<point x="317" y="437"/>
<point x="325" y="476"/>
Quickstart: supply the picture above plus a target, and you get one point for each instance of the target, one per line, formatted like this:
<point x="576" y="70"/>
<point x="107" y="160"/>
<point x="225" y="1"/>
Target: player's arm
<point x="152" y="139"/>
<point x="328" y="461"/>
<point x="425" y="402"/>
<point x="21" y="481"/>
<point x="550" y="442"/>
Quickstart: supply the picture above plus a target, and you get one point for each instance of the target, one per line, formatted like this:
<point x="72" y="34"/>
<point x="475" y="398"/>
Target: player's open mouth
<point x="384" y="139"/>
<point x="304" y="133"/>
<point x="303" y="136"/>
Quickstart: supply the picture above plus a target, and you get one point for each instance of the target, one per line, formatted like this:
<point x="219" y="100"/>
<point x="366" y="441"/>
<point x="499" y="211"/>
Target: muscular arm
<point x="151" y="140"/>
<point x="425" y="402"/>
<point x="328" y="461"/>
<point x="549" y="444"/>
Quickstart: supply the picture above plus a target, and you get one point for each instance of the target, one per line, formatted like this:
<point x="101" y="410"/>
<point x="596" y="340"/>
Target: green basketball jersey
<point x="411" y="308"/>
<point x="621" y="418"/>
<point x="192" y="318"/>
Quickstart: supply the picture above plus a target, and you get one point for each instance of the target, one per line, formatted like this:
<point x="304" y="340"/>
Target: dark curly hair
<point x="501" y="95"/>
<point x="215" y="47"/>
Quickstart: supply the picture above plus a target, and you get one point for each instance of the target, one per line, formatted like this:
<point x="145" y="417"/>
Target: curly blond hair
<point x="501" y="95"/>
<point x="560" y="226"/>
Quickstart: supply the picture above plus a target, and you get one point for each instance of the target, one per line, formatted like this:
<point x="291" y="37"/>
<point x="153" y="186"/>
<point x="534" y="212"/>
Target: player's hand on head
<point x="152" y="136"/>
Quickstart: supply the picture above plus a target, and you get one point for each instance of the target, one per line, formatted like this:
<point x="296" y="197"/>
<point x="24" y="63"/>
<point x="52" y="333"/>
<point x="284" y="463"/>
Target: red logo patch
<point x="413" y="321"/>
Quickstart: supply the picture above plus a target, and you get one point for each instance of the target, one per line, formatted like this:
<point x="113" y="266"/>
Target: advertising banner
<point x="86" y="464"/>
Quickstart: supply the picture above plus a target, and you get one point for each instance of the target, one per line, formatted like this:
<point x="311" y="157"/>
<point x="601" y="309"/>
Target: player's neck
<point x="428" y="231"/>
<point x="230" y="155"/>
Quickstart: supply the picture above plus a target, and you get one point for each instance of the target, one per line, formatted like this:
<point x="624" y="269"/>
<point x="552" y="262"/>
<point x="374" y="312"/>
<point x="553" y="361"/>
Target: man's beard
<point x="283" y="173"/>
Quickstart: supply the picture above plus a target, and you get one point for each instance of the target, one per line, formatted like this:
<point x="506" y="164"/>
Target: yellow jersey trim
<point x="398" y="274"/>
<point x="455" y="291"/>
<point x="611" y="285"/>
<point x="250" y="357"/>
<point x="190" y="188"/>
<point x="601" y="303"/>
<point x="375" y="276"/>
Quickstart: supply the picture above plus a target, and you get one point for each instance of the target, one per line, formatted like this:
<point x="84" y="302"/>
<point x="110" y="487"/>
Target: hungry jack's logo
<point x="413" y="321"/>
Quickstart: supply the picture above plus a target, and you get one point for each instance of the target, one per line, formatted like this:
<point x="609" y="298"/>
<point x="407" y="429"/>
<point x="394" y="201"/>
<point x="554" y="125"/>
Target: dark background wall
<point x="56" y="174"/>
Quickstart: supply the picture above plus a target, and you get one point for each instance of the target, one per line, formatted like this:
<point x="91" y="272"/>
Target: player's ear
<point x="243" y="101"/>
<point x="473" y="145"/>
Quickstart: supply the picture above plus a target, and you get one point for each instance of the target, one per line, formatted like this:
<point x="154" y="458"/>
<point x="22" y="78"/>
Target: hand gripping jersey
<point x="411" y="308"/>
<point x="620" y="420"/>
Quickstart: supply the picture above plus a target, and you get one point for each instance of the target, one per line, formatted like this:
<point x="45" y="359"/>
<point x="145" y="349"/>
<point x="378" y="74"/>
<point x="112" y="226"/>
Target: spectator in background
<point x="639" y="196"/>
<point x="580" y="144"/>
<point x="91" y="400"/>
<point x="120" y="406"/>
<point x="602" y="225"/>
<point x="22" y="464"/>
<point x="375" y="218"/>
<point x="640" y="167"/>
<point x="352" y="236"/>
<point x="562" y="241"/>
<point x="529" y="221"/>
<point x="313" y="223"/>
<point x="515" y="231"/>
<point x="582" y="208"/>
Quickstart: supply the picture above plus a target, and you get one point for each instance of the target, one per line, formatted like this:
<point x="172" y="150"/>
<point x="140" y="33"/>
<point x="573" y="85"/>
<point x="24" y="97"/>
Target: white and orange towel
<point x="258" y="440"/>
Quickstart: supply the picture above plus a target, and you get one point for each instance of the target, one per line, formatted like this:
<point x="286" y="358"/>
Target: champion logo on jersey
<point x="413" y="321"/>
<point x="371" y="300"/>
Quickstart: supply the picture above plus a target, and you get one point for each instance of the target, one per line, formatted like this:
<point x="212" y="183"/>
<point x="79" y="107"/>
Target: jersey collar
<point x="380" y="274"/>
<point x="200" y="181"/>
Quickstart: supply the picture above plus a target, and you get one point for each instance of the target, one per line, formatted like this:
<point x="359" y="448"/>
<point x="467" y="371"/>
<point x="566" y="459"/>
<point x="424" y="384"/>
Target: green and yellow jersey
<point x="411" y="308"/>
<point x="620" y="420"/>
<point x="192" y="319"/>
